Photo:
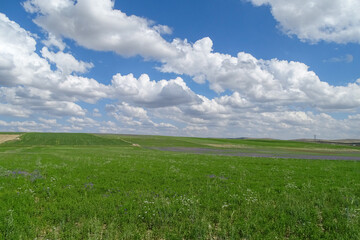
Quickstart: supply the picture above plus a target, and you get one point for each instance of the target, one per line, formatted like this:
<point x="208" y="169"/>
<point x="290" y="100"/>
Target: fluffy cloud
<point x="53" y="41"/>
<point x="137" y="120"/>
<point x="14" y="111"/>
<point x="229" y="116"/>
<point x="316" y="20"/>
<point x="52" y="122"/>
<point x="28" y="81"/>
<point x="95" y="24"/>
<point x="266" y="98"/>
<point x="259" y="81"/>
<point x="24" y="126"/>
<point x="66" y="62"/>
<point x="27" y="101"/>
<point x="152" y="94"/>
<point x="77" y="88"/>
<point x="19" y="64"/>
<point x="277" y="124"/>
<point x="81" y="123"/>
<point x="125" y="112"/>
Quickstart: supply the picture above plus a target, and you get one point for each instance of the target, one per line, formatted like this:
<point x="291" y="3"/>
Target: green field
<point x="87" y="186"/>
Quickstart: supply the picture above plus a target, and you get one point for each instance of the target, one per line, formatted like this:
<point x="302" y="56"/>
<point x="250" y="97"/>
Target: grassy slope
<point x="116" y="191"/>
<point x="160" y="141"/>
<point x="11" y="133"/>
<point x="69" y="139"/>
<point x="156" y="141"/>
<point x="277" y="147"/>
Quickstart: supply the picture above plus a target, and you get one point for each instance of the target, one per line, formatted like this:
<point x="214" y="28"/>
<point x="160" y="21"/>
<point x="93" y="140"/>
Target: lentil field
<point x="92" y="186"/>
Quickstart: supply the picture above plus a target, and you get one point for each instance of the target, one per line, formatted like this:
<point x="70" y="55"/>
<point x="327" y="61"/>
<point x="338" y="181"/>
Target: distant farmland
<point x="93" y="186"/>
<point x="8" y="137"/>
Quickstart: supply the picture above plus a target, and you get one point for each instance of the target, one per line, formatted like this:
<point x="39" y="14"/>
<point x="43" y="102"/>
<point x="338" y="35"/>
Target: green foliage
<point x="69" y="139"/>
<point x="163" y="141"/>
<point x="109" y="189"/>
<point x="156" y="141"/>
<point x="10" y="133"/>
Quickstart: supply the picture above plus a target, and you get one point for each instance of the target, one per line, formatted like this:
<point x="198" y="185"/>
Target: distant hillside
<point x="352" y="142"/>
<point x="42" y="139"/>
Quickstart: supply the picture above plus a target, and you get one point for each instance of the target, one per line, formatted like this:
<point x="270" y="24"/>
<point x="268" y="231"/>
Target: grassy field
<point x="84" y="186"/>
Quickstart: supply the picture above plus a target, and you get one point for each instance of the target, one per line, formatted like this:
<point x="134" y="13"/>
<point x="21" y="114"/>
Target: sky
<point x="205" y="68"/>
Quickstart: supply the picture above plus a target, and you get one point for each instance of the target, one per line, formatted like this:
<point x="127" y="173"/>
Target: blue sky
<point x="233" y="68"/>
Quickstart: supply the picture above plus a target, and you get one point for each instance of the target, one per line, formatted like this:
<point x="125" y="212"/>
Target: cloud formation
<point x="136" y="119"/>
<point x="256" y="97"/>
<point x="95" y="24"/>
<point x="145" y="92"/>
<point x="26" y="79"/>
<point x="281" y="82"/>
<point x="317" y="20"/>
<point x="65" y="62"/>
<point x="29" y="85"/>
<point x="258" y="81"/>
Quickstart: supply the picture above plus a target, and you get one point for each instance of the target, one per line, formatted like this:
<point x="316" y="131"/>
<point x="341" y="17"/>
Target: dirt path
<point x="5" y="137"/>
<point x="255" y="154"/>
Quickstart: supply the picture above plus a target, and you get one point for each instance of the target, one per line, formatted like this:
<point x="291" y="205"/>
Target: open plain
<point x="94" y="186"/>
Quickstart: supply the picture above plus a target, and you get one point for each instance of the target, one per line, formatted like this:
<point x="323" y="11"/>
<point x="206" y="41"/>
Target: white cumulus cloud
<point x="258" y="81"/>
<point x="95" y="24"/>
<point x="66" y="62"/>
<point x="136" y="119"/>
<point x="316" y="20"/>
<point x="150" y="93"/>
<point x="257" y="97"/>
<point x="28" y="81"/>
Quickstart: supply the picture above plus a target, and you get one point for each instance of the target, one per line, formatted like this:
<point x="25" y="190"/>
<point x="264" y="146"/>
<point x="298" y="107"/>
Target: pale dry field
<point x="5" y="137"/>
<point x="229" y="145"/>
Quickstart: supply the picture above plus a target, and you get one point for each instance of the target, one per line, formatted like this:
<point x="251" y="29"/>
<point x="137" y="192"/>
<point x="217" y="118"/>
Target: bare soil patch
<point x="5" y="137"/>
<point x="229" y="145"/>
